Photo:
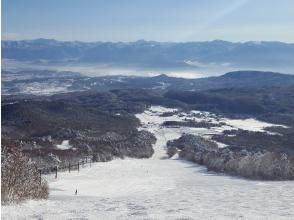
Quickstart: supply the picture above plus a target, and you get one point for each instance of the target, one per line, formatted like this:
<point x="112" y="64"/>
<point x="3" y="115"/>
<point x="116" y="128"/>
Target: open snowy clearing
<point x="157" y="188"/>
<point x="64" y="145"/>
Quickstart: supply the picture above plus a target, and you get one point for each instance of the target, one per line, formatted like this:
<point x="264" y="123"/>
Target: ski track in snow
<point x="158" y="188"/>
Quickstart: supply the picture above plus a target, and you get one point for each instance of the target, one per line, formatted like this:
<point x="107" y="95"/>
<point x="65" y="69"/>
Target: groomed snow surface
<point x="157" y="188"/>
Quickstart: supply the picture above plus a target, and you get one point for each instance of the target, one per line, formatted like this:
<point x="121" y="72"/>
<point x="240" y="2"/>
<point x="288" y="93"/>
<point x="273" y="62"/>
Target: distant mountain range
<point x="151" y="54"/>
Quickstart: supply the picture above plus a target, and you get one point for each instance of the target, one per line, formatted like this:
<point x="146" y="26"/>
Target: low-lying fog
<point x="94" y="70"/>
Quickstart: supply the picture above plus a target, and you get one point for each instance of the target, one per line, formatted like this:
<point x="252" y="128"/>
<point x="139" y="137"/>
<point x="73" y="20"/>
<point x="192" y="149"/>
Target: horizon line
<point x="144" y="40"/>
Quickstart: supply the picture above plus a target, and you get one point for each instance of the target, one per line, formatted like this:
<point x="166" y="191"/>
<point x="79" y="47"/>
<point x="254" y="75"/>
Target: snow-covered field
<point x="43" y="88"/>
<point x="158" y="188"/>
<point x="64" y="145"/>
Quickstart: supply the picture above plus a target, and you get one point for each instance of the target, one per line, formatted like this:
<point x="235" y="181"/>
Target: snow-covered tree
<point x="20" y="179"/>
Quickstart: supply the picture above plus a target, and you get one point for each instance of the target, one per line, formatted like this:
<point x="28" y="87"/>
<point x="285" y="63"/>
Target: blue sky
<point x="160" y="20"/>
